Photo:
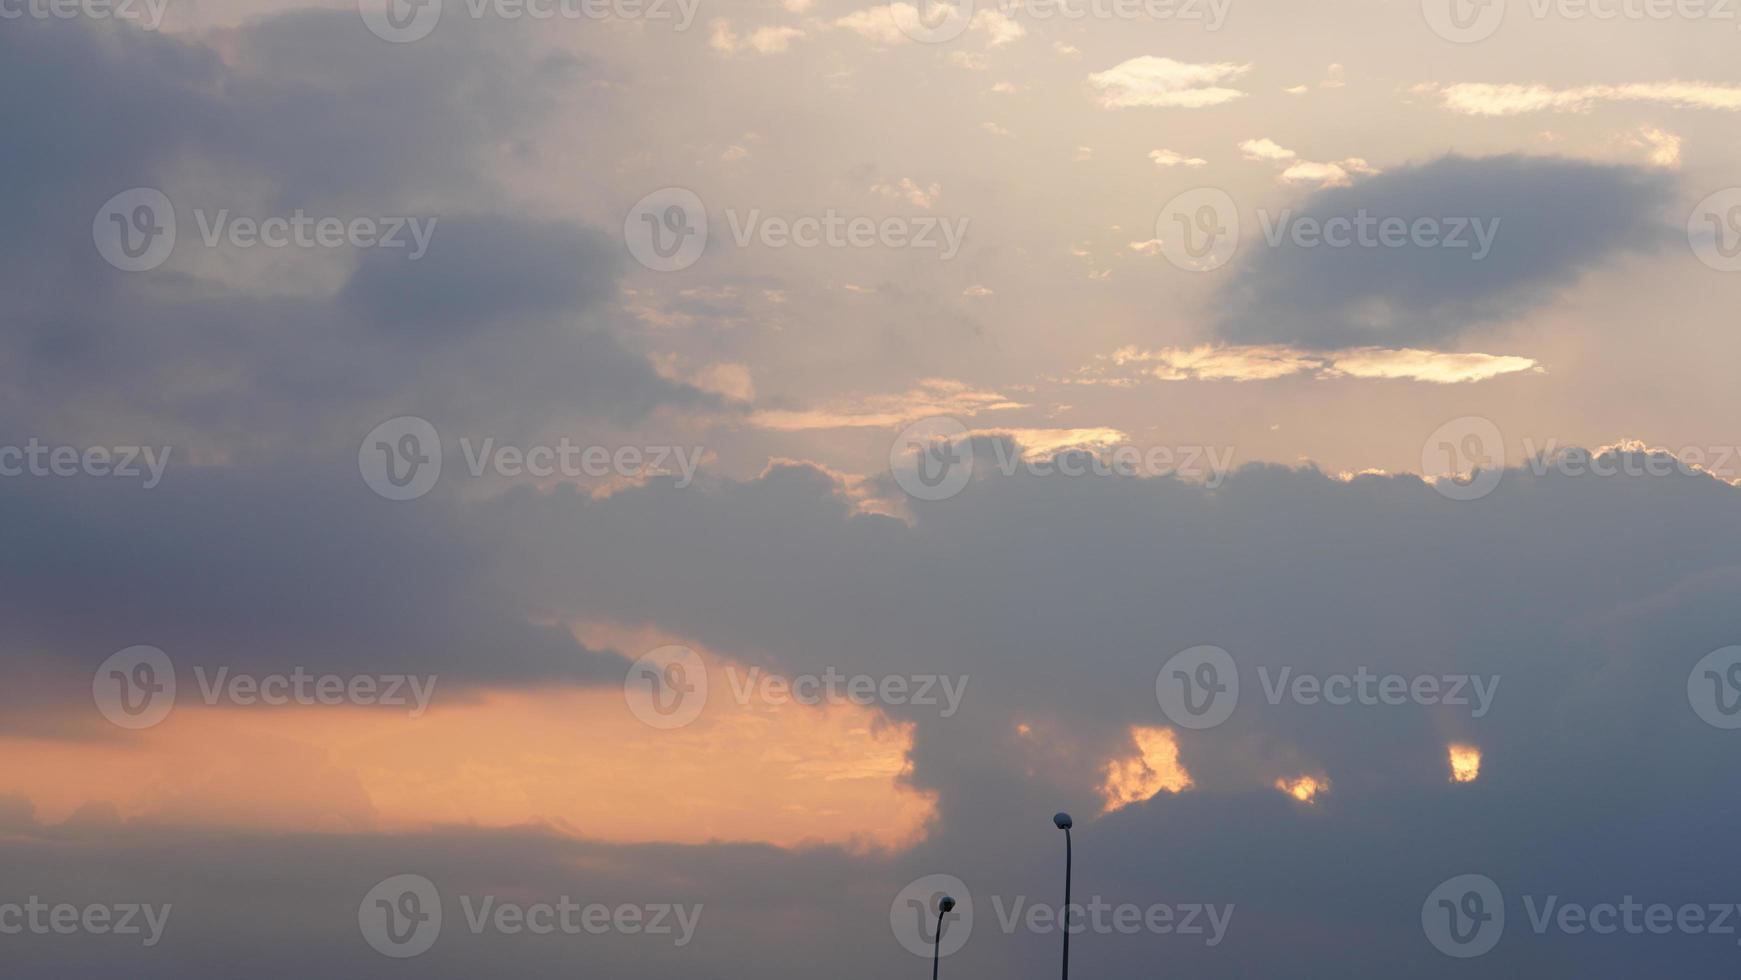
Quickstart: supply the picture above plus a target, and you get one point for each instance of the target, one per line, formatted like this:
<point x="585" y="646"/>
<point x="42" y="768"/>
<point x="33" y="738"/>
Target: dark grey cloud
<point x="1556" y="220"/>
<point x="482" y="269"/>
<point x="507" y="323"/>
<point x="1591" y="597"/>
<point x="264" y="569"/>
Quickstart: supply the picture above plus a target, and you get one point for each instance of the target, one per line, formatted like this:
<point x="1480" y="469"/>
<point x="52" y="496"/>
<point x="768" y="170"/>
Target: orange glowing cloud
<point x="1465" y="763"/>
<point x="1155" y="767"/>
<point x="1303" y="788"/>
<point x="574" y="760"/>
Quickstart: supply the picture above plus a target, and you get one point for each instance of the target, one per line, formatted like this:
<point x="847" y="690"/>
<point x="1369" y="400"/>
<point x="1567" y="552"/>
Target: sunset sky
<point x="756" y="460"/>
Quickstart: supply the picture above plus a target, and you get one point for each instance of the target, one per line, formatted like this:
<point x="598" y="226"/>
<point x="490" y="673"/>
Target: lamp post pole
<point x="944" y="907"/>
<point x="1063" y="822"/>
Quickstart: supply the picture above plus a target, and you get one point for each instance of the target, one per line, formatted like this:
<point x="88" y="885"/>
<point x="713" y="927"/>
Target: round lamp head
<point x="947" y="905"/>
<point x="1062" y="820"/>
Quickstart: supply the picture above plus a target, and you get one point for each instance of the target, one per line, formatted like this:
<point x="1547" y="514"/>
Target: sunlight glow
<point x="1465" y="763"/>
<point x="1154" y="767"/>
<point x="1304" y="788"/>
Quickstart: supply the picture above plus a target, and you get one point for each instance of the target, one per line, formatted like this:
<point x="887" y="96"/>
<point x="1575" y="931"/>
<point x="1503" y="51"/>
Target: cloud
<point x="932" y="396"/>
<point x="1547" y="219"/>
<point x="1168" y="158"/>
<point x="909" y="190"/>
<point x="1326" y="174"/>
<point x="1265" y="149"/>
<point x="877" y="24"/>
<point x="1266" y="362"/>
<point x="1162" y="82"/>
<point x="999" y="28"/>
<point x="1665" y="147"/>
<point x="1485" y="99"/>
<point x="1061" y="598"/>
<point x="361" y="333"/>
<point x="762" y="40"/>
<point x="1304" y="171"/>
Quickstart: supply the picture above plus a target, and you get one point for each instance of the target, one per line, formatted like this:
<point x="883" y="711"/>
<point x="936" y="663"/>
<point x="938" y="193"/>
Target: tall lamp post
<point x="1063" y="822"/>
<point x="944" y="907"/>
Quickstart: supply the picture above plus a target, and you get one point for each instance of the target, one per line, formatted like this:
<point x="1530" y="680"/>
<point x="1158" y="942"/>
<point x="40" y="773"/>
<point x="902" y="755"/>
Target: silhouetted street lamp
<point x="1063" y="822"/>
<point x="944" y="907"/>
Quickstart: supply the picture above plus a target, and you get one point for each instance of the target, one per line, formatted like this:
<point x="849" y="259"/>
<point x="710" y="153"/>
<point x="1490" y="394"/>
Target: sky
<point x="673" y="488"/>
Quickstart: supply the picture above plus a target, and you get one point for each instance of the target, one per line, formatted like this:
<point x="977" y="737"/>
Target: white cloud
<point x="1163" y="82"/>
<point x="1265" y="149"/>
<point x="999" y="29"/>
<point x="1483" y="99"/>
<point x="1326" y="174"/>
<point x="1304" y="171"/>
<point x="908" y="189"/>
<point x="1266" y="362"/>
<point x="877" y="24"/>
<point x="932" y="396"/>
<point x="1168" y="158"/>
<point x="762" y="40"/>
<point x="1665" y="147"/>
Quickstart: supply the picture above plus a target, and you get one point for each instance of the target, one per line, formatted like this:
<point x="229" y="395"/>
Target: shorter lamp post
<point x="944" y="907"/>
<point x="1063" y="822"/>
